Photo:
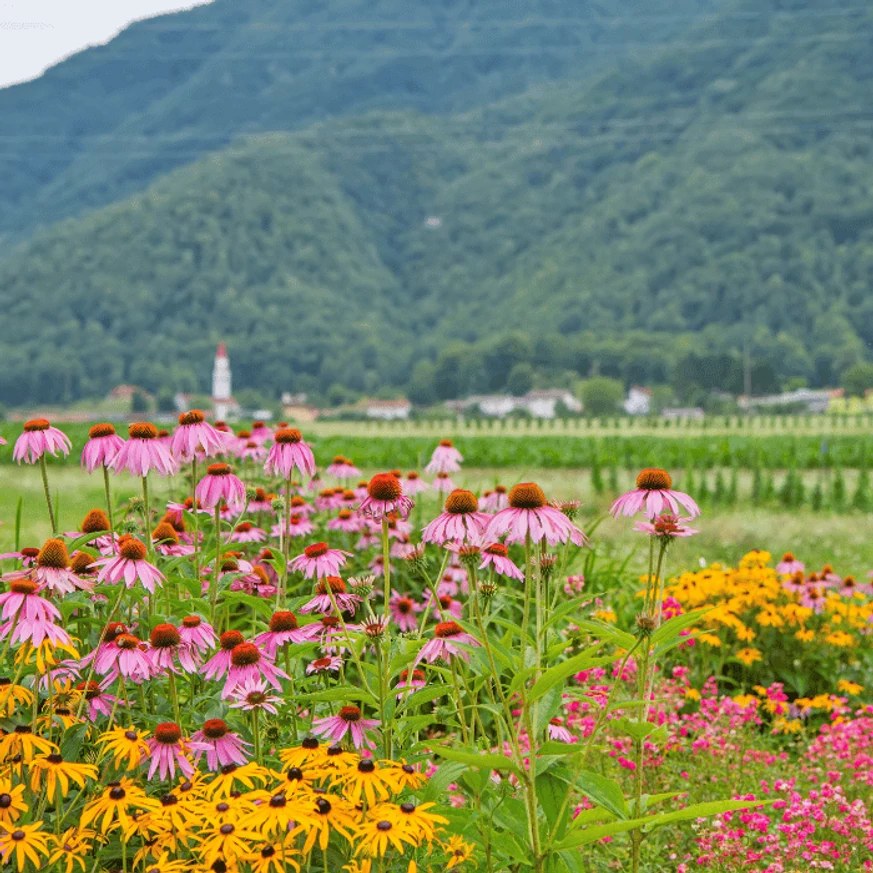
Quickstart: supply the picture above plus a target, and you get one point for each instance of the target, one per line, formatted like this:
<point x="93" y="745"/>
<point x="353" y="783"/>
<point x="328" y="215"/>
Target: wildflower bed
<point x="291" y="668"/>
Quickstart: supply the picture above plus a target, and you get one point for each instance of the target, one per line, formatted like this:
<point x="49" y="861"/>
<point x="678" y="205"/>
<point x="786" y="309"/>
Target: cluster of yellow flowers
<point x="242" y="818"/>
<point x="752" y="601"/>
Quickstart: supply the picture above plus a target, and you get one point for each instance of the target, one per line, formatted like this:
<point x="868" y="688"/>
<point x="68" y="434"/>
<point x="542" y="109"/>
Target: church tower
<point x="222" y="398"/>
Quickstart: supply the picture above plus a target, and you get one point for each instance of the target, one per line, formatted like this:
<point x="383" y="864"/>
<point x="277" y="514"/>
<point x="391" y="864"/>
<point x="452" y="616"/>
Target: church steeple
<point x="222" y="397"/>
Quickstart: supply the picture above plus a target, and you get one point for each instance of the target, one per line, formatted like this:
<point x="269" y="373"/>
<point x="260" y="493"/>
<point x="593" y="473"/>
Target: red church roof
<point x="222" y="350"/>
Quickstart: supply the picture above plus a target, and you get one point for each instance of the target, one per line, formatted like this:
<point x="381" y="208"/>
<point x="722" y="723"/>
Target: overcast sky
<point x="34" y="34"/>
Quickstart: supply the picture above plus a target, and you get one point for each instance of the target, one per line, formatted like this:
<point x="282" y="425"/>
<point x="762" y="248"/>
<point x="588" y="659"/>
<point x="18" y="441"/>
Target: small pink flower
<point x="246" y="532"/>
<point x="654" y="495"/>
<point x="102" y="447"/>
<point x="385" y="496"/>
<point x="222" y="746"/>
<point x="403" y="609"/>
<point x="445" y="459"/>
<point x="220" y="485"/>
<point x="253" y="694"/>
<point x="38" y="438"/>
<point x="494" y="501"/>
<point x="789" y="565"/>
<point x="342" y="468"/>
<point x="349" y="720"/>
<point x="324" y="665"/>
<point x="130" y="566"/>
<point x="410" y="681"/>
<point x="319" y="560"/>
<point x="665" y="526"/>
<point x="52" y="570"/>
<point x="413" y="484"/>
<point x="29" y="617"/>
<point x="298" y="526"/>
<point x="460" y="521"/>
<point x="497" y="556"/>
<point x="287" y="452"/>
<point x="143" y="452"/>
<point x="196" y="435"/>
<point x="246" y="662"/>
<point x="557" y="731"/>
<point x="443" y="483"/>
<point x="322" y="602"/>
<point x="447" y="636"/>
<point x="123" y="657"/>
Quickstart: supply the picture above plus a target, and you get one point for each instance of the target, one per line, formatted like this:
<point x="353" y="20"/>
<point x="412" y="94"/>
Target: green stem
<point x="386" y="565"/>
<point x="213" y="595"/>
<point x="48" y="496"/>
<point x="109" y="509"/>
<point x="196" y="518"/>
<point x="174" y="697"/>
<point x="286" y="545"/>
<point x="256" y="736"/>
<point x="147" y="515"/>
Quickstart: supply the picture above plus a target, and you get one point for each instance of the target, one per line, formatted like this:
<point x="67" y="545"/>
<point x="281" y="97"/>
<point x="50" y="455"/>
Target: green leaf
<point x="704" y="810"/>
<point x="551" y="792"/>
<point x="546" y="708"/>
<point x="445" y="774"/>
<point x="607" y="632"/>
<point x="553" y="747"/>
<point x="602" y="791"/>
<point x="583" y="661"/>
<point x="489" y="761"/>
<point x="678" y="623"/>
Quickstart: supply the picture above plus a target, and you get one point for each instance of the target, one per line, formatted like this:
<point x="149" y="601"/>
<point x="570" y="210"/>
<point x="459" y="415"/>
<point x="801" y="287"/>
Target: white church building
<point x="223" y="404"/>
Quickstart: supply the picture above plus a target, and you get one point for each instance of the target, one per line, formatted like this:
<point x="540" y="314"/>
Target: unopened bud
<point x="646" y="624"/>
<point x="277" y="504"/>
<point x="470" y="556"/>
<point x="487" y="590"/>
<point x="362" y="587"/>
<point x="251" y="493"/>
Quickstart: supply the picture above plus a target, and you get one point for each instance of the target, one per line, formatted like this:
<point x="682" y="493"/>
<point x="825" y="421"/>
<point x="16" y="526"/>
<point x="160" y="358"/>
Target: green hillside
<point x="167" y="91"/>
<point x="651" y="224"/>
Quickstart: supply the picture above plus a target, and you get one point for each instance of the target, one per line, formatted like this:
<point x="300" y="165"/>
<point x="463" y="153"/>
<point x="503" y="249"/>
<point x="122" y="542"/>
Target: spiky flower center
<point x="132" y="549"/>
<point x="321" y="663"/>
<point x="403" y="605"/>
<point x="96" y="520"/>
<point x="23" y="586"/>
<point x="244" y="655"/>
<point x="168" y="732"/>
<point x="193" y="416"/>
<point x="244" y="527"/>
<point x="36" y="424"/>
<point x="527" y="495"/>
<point x="165" y="533"/>
<point x="446" y="444"/>
<point x="288" y="435"/>
<point x="29" y="552"/>
<point x="336" y="585"/>
<point x="350" y="714"/>
<point x="53" y="554"/>
<point x="218" y="470"/>
<point x="460" y="502"/>
<point x="500" y="489"/>
<point x="447" y="629"/>
<point x="142" y="430"/>
<point x="497" y="549"/>
<point x="654" y="479"/>
<point x="113" y="630"/>
<point x="91" y="689"/>
<point x="101" y="430"/>
<point x="283" y="621"/>
<point x="344" y="514"/>
<point x="192" y="621"/>
<point x="215" y="729"/>
<point x="164" y="636"/>
<point x="849" y="582"/>
<point x="127" y="641"/>
<point x="329" y="621"/>
<point x="229" y="640"/>
<point x="384" y="486"/>
<point x="788" y="557"/>
<point x="316" y="550"/>
<point x="417" y="676"/>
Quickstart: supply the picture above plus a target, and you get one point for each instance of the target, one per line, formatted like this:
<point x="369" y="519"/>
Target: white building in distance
<point x="638" y="401"/>
<point x="223" y="404"/>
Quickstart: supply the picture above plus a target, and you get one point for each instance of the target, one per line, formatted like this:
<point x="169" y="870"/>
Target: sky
<point x="35" y="34"/>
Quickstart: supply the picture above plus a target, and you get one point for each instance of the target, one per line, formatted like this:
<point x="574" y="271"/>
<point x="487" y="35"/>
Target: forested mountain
<point x="649" y="222"/>
<point x="166" y="91"/>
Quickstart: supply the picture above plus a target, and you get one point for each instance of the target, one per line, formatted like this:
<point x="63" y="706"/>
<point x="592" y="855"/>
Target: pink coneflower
<point x="349" y="720"/>
<point x="218" y="665"/>
<point x="97" y="701"/>
<point x="653" y="495"/>
<point x="497" y="556"/>
<point x="460" y="521"/>
<point x="219" y="484"/>
<point x="444" y="606"/>
<point x="576" y="584"/>
<point x="221" y="744"/>
<point x="262" y="503"/>
<point x="666" y="526"/>
<point x="494" y="501"/>
<point x="102" y="447"/>
<point x="850" y="587"/>
<point x="384" y="496"/>
<point x="330" y="634"/>
<point x="251" y="451"/>
<point x="813" y="598"/>
<point x="447" y="636"/>
<point x="346" y="521"/>
<point x="413" y="484"/>
<point x="789" y="565"/>
<point x="247" y="661"/>
<point x="143" y="453"/>
<point x="558" y="732"/>
<point x="175" y="511"/>
<point x="529" y="514"/>
<point x="795" y="582"/>
<point x="130" y="566"/>
<point x="38" y="438"/>
<point x="246" y="532"/>
<point x="165" y="647"/>
<point x="254" y="694"/>
<point x="445" y="459"/>
<point x="342" y="468"/>
<point x="111" y="632"/>
<point x="299" y="506"/>
<point x="196" y="435"/>
<point x="403" y="609"/>
<point x="345" y="601"/>
<point x="443" y="483"/>
<point x="298" y="526"/>
<point x="165" y="539"/>
<point x="123" y="657"/>
<point x="167" y="751"/>
<point x="319" y="560"/>
<point x="324" y="665"/>
<point x="28" y="616"/>
<point x="328" y="499"/>
<point x="410" y="681"/>
<point x="197" y="634"/>
<point x="287" y="452"/>
<point x="26" y="555"/>
<point x="52" y="570"/>
<point x="261" y="433"/>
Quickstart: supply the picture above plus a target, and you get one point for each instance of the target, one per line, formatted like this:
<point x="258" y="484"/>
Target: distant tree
<point x="602" y="396"/>
<point x="858" y="378"/>
<point x="520" y="379"/>
<point x="139" y="402"/>
<point x="166" y="402"/>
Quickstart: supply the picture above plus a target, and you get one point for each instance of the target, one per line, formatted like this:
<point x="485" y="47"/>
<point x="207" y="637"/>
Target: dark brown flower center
<point x="316" y="550"/>
<point x="527" y="495"/>
<point x="192" y="621"/>
<point x="230" y="640"/>
<point x="336" y="585"/>
<point x="244" y="655"/>
<point x="168" y="732"/>
<point x="460" y="502"/>
<point x="164" y="636"/>
<point x="654" y="479"/>
<point x="53" y="554"/>
<point x="142" y="430"/>
<point x="23" y="586"/>
<point x="288" y="435"/>
<point x="447" y="629"/>
<point x="350" y="713"/>
<point x="218" y="470"/>
<point x="384" y="486"/>
<point x="193" y="416"/>
<point x="215" y="729"/>
<point x="497" y="549"/>
<point x="36" y="424"/>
